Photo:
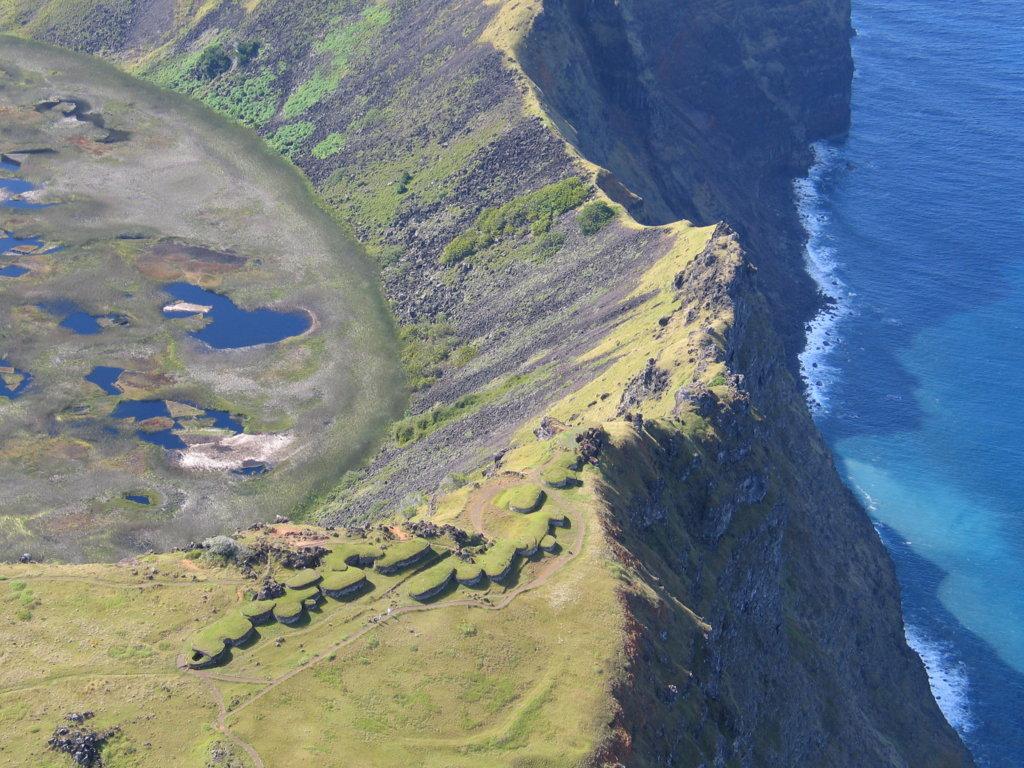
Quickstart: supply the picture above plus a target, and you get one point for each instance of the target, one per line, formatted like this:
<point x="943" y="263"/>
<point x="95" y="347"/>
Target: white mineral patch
<point x="227" y="453"/>
<point x="185" y="306"/>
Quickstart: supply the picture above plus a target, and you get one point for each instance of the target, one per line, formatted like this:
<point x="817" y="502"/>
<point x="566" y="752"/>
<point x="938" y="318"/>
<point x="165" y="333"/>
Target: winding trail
<point x="541" y="577"/>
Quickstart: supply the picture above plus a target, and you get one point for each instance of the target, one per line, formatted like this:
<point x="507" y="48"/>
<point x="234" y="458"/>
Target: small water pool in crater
<point x="138" y="498"/>
<point x="13" y="270"/>
<point x="105" y="377"/>
<point x="78" y="321"/>
<point x="159" y="426"/>
<point x="229" y="326"/>
<point x="11" y="191"/>
<point x="9" y="243"/>
<point x="13" y="381"/>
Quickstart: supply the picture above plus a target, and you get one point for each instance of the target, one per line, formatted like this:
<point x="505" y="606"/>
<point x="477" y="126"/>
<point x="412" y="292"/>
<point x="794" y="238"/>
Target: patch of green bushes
<point x="594" y="216"/>
<point x="249" y="98"/>
<point x="288" y="139"/>
<point x="537" y="209"/>
<point x="308" y="94"/>
<point x="354" y="40"/>
<point x="329" y="146"/>
<point x="414" y="428"/>
<point x="425" y="346"/>
<point x="247" y="51"/>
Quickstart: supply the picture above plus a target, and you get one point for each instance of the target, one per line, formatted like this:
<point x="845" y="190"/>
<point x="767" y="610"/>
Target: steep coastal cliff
<point x="761" y="613"/>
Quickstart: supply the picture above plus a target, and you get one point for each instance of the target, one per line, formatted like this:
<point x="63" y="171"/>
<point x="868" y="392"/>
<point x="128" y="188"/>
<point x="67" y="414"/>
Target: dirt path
<point x="542" y="576"/>
<point x="222" y="726"/>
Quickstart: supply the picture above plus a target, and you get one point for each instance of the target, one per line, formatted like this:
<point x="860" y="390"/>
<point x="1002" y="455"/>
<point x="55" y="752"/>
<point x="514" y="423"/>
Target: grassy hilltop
<point x="604" y="532"/>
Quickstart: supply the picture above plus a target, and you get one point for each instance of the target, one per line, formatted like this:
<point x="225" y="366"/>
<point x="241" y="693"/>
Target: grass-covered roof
<point x="403" y="551"/>
<point x="336" y="581"/>
<point x="433" y="578"/>
<point x="302" y="579"/>
<point x="228" y="629"/>
<point x="527" y="497"/>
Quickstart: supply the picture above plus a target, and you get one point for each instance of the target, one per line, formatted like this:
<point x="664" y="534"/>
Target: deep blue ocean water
<point x="917" y="229"/>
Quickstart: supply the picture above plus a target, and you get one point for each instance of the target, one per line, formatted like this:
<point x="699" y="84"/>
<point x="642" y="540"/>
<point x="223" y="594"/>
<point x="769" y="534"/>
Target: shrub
<point x="249" y="97"/>
<point x="593" y="216"/>
<point x="223" y="546"/>
<point x="213" y="62"/>
<point x="247" y="51"/>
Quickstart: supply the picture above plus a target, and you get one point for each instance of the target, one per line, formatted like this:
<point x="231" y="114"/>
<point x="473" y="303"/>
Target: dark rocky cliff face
<point x="768" y="631"/>
<point x="703" y="111"/>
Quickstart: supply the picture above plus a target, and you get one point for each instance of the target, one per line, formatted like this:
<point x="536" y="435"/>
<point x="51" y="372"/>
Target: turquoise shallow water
<point x="917" y="229"/>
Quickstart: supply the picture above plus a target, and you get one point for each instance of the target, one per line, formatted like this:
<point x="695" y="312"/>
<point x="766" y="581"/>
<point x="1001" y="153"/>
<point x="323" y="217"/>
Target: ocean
<point x="916" y="374"/>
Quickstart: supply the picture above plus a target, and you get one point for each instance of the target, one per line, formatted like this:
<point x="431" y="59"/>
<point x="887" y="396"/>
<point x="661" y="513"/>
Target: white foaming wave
<point x="820" y="257"/>
<point x="947" y="677"/>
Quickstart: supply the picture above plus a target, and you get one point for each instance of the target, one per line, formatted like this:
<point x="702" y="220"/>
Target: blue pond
<point x="105" y="377"/>
<point x="142" y="410"/>
<point x="230" y="327"/>
<point x="13" y="270"/>
<point x="10" y="388"/>
<point x="138" y="498"/>
<point x="8" y="242"/>
<point x="78" y="321"/>
<point x="81" y="323"/>
<point x="14" y="187"/>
